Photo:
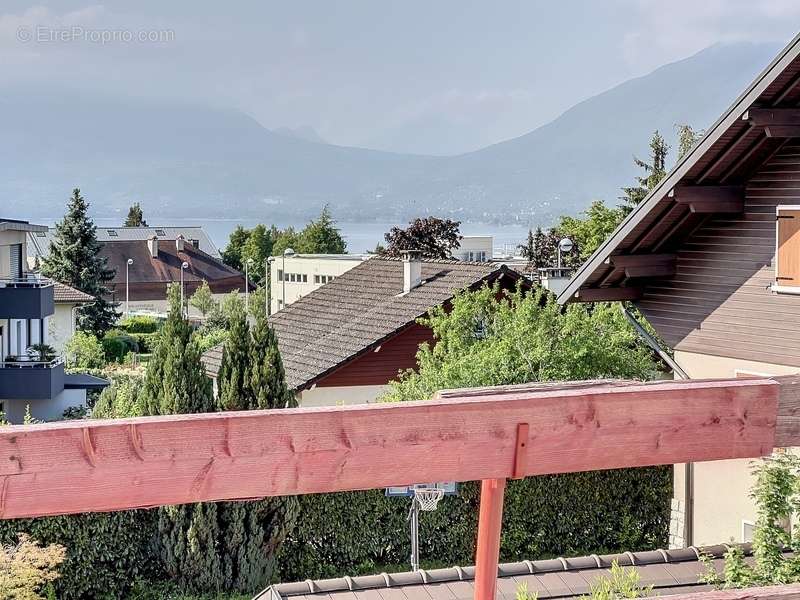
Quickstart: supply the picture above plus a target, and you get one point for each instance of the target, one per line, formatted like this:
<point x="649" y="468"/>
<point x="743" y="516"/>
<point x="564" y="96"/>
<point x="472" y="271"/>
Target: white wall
<point x="721" y="488"/>
<point x="43" y="410"/>
<point x="341" y="395"/>
<point x="61" y="326"/>
<point x="311" y="266"/>
<point x="161" y="307"/>
<point x="472" y="245"/>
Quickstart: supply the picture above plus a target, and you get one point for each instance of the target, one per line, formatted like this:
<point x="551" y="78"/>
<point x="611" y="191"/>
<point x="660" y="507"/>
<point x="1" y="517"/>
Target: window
<point x="161" y="232"/>
<point x="195" y="243"/>
<point x="305" y="278"/>
<point x="280" y="274"/>
<point x="748" y="527"/>
<point x="316" y="279"/>
<point x="787" y="256"/>
<point x="112" y="233"/>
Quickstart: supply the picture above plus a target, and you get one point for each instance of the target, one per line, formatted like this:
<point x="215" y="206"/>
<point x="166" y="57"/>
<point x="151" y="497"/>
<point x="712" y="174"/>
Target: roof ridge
<point x="527" y="567"/>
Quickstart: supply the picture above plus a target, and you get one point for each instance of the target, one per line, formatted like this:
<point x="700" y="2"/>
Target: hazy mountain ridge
<point x="196" y="161"/>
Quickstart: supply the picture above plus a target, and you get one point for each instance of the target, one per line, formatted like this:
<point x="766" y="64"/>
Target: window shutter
<point x="788" y="259"/>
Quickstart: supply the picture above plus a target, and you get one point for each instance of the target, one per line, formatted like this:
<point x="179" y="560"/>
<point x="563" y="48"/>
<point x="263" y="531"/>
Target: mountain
<point x="304" y="132"/>
<point x="191" y="160"/>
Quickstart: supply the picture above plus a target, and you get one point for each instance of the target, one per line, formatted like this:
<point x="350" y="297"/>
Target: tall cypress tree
<point x="267" y="377"/>
<point x="135" y="216"/>
<point x="74" y="259"/>
<point x="234" y="392"/>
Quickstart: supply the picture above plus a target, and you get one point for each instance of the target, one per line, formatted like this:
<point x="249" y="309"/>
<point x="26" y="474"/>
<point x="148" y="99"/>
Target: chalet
<point x="711" y="258"/>
<point x="343" y="342"/>
<point x="144" y="269"/>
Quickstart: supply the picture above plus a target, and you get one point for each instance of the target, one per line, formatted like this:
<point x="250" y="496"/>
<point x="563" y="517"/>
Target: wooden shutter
<point x="788" y="266"/>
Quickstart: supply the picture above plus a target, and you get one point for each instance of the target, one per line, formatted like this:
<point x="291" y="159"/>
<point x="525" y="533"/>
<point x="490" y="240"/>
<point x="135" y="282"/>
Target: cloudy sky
<point x="419" y="76"/>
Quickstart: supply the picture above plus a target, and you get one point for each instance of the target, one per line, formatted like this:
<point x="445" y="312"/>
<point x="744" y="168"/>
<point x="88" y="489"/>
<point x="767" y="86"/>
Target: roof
<point x="84" y="381"/>
<point x="668" y="571"/>
<point x="726" y="155"/>
<point x="40" y="241"/>
<point x="167" y="267"/>
<point x="358" y="311"/>
<point x="69" y="295"/>
<point x="17" y="225"/>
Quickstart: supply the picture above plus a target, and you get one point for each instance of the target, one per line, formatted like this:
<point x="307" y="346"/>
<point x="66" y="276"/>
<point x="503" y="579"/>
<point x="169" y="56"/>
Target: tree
<point x="232" y="380"/>
<point x="232" y="254"/>
<point x="257" y="249"/>
<point x="589" y="230"/>
<point x="203" y="299"/>
<point x="321" y="236"/>
<point x="434" y="237"/>
<point x="654" y="171"/>
<point x="525" y="337"/>
<point x="540" y="249"/>
<point x="28" y="570"/>
<point x="74" y="259"/>
<point x="267" y="378"/>
<point x="135" y="216"/>
<point x="687" y="138"/>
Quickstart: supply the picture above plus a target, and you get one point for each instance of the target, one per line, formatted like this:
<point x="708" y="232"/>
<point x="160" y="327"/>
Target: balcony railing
<point x="28" y="378"/>
<point x="29" y="297"/>
<point x="27" y="362"/>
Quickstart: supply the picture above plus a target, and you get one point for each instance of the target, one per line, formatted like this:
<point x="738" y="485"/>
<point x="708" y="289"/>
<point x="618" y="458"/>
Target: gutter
<point x="688" y="472"/>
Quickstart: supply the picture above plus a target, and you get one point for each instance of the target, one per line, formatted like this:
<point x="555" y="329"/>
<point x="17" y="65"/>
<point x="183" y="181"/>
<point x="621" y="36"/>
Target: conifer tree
<point x="267" y="377"/>
<point x="135" y="216"/>
<point x="654" y="171"/>
<point x="234" y="390"/>
<point x="74" y="259"/>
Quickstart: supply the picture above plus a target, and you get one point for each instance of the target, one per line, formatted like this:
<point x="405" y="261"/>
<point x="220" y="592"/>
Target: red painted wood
<point x="774" y="592"/>
<point x="608" y="294"/>
<point x="490" y="523"/>
<point x="379" y="368"/>
<point x="70" y="467"/>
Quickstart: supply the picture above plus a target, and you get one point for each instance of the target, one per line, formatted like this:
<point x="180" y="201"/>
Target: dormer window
<point x="787" y="255"/>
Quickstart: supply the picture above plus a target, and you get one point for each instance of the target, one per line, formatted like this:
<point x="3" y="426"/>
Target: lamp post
<point x="247" y="287"/>
<point x="565" y="245"/>
<point x="184" y="266"/>
<point x="128" y="263"/>
<point x="268" y="286"/>
<point x="288" y="252"/>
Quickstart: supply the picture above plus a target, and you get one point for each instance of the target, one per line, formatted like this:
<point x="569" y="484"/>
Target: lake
<point x="360" y="237"/>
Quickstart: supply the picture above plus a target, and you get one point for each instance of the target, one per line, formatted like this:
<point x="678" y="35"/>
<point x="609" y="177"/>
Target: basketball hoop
<point x="428" y="498"/>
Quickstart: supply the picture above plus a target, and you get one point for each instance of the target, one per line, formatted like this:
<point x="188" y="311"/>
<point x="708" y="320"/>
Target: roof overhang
<point x="13" y="225"/>
<point x="708" y="180"/>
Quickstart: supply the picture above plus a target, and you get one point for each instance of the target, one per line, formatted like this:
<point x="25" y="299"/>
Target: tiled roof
<point x="359" y="310"/>
<point x="64" y="293"/>
<point x="668" y="571"/>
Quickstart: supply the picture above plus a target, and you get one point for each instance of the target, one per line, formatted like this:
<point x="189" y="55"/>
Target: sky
<point x="440" y="77"/>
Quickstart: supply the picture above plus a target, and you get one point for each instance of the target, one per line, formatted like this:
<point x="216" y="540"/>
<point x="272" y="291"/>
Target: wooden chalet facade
<point x="711" y="258"/>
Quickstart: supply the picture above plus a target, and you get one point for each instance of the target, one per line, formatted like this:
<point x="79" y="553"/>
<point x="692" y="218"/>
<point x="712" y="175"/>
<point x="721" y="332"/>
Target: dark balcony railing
<point x="26" y="298"/>
<point x="26" y="378"/>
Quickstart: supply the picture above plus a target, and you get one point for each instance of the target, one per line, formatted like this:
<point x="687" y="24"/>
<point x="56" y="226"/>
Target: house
<point x="711" y="258"/>
<point x="474" y="248"/>
<point x="144" y="269"/>
<point x="39" y="241"/>
<point x="667" y="571"/>
<point x="30" y="379"/>
<point x="344" y="342"/>
<point x="62" y="324"/>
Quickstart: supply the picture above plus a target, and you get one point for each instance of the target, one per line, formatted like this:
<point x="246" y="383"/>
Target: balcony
<point x="26" y="298"/>
<point x="24" y="378"/>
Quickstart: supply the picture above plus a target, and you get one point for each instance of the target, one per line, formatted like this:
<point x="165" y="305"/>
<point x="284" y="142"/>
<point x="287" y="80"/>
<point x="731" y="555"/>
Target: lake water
<point x="361" y="237"/>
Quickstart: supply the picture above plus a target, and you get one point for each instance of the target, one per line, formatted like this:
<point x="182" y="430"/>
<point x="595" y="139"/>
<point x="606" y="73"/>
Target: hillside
<point x="181" y="160"/>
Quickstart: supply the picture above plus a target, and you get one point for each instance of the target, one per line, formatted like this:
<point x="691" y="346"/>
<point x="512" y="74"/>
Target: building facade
<point x="711" y="258"/>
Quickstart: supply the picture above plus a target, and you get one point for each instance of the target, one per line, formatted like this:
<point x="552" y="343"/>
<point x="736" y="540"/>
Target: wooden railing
<point x="488" y="434"/>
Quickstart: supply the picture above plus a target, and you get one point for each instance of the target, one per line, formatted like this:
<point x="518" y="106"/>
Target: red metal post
<point x="489" y="525"/>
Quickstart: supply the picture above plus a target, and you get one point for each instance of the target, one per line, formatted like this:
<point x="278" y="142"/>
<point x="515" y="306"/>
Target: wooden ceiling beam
<point x="776" y="122"/>
<point x="645" y="265"/>
<point x="707" y="199"/>
<point x="608" y="294"/>
<point x="84" y="466"/>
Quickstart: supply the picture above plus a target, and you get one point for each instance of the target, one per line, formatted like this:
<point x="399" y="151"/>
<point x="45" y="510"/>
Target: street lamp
<point x="127" y="289"/>
<point x="184" y="266"/>
<point x="288" y="252"/>
<point x="565" y="245"/>
<point x="268" y="286"/>
<point x="247" y="287"/>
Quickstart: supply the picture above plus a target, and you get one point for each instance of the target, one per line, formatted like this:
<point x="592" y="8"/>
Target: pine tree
<point x="653" y="172"/>
<point x="267" y="379"/>
<point x="687" y="138"/>
<point x="135" y="216"/>
<point x="74" y="259"/>
<point x="234" y="391"/>
<point x="321" y="236"/>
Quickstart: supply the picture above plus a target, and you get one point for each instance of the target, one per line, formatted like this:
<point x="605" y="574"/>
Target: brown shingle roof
<point x="64" y="293"/>
<point x="668" y="571"/>
<point x="360" y="309"/>
<point x="167" y="267"/>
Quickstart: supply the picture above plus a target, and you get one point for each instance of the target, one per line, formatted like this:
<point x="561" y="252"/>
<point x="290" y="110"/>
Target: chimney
<point x="180" y="241"/>
<point x="412" y="269"/>
<point x="152" y="245"/>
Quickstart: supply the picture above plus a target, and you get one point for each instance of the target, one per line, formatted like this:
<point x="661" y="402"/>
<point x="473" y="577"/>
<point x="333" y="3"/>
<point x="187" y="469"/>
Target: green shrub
<point x="139" y="324"/>
<point x="552" y="515"/>
<point x="116" y="344"/>
<point x="146" y="341"/>
<point x="83" y="352"/>
<point x="208" y="337"/>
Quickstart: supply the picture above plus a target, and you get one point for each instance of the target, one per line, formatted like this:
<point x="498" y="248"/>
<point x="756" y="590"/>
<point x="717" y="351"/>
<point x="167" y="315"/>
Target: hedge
<point x="106" y="552"/>
<point x="555" y="515"/>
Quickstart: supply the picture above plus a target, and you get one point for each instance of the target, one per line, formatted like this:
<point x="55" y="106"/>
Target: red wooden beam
<point x="490" y="522"/>
<point x="609" y="294"/>
<point x="777" y="122"/>
<point x="774" y="592"/>
<point x="708" y="199"/>
<point x="645" y="265"/>
<point x="79" y="466"/>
